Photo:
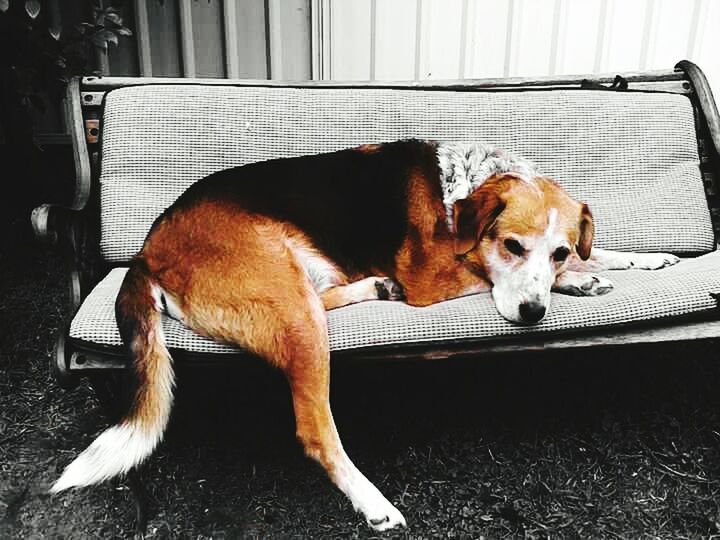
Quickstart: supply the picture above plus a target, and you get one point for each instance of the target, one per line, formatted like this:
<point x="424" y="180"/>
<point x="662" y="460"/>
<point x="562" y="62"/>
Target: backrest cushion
<point x="632" y="157"/>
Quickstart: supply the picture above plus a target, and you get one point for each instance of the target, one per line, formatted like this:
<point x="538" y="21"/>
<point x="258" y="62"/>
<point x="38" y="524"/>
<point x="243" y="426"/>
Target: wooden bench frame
<point x="74" y="230"/>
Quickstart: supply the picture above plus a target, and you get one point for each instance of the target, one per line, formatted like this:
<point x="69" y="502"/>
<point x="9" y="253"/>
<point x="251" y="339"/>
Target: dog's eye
<point x="561" y="254"/>
<point x="514" y="247"/>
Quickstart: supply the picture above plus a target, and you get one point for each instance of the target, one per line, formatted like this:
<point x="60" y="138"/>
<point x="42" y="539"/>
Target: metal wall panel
<point x="248" y="50"/>
<point x="208" y="37"/>
<point x="451" y="39"/>
<point x="288" y="22"/>
<point x="349" y="35"/>
<point x="223" y="38"/>
<point x="395" y="30"/>
<point x="403" y="39"/>
<point x="163" y="35"/>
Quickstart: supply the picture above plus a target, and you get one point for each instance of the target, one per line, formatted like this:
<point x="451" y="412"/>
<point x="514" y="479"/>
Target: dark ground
<point x="596" y="444"/>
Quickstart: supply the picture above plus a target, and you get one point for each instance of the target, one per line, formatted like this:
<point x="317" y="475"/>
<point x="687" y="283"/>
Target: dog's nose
<point x="531" y="312"/>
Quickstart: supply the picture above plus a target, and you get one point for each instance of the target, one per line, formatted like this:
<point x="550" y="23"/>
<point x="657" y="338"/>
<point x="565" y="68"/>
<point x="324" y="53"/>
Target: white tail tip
<point x="116" y="451"/>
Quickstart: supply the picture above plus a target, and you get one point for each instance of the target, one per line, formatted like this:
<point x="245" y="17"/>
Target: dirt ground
<point x="596" y="444"/>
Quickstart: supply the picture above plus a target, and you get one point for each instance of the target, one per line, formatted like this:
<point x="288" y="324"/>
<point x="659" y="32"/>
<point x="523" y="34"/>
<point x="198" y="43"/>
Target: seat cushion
<point x="632" y="156"/>
<point x="638" y="296"/>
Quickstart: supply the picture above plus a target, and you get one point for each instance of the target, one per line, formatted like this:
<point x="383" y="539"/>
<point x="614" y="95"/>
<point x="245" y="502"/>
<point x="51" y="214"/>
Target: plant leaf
<point x="4" y="5"/>
<point x="32" y="7"/>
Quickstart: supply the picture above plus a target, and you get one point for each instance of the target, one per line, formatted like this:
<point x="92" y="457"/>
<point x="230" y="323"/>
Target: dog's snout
<point x="532" y="312"/>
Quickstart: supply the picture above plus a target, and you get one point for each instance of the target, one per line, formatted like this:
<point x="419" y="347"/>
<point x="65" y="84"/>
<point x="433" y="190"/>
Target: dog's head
<point x="522" y="234"/>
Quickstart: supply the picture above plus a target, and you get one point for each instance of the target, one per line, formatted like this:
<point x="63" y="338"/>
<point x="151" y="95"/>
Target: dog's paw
<point x="596" y="286"/>
<point x="385" y="518"/>
<point x="582" y="284"/>
<point x="389" y="289"/>
<point x="379" y="513"/>
<point x="652" y="261"/>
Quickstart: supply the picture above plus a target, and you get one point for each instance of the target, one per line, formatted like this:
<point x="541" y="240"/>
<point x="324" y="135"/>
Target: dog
<point x="255" y="255"/>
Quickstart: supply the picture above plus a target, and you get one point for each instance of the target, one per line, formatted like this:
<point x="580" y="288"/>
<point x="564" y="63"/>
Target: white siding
<point x="451" y="39"/>
<point x="395" y="31"/>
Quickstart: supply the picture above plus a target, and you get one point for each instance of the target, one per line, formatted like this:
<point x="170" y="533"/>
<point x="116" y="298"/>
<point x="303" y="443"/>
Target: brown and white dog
<point x="255" y="255"/>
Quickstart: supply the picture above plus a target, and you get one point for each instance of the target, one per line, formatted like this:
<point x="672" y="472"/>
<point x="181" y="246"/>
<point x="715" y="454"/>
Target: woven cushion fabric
<point x="632" y="156"/>
<point x="638" y="296"/>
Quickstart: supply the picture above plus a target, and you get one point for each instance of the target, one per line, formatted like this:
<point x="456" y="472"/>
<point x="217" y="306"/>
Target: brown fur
<point x="426" y="265"/>
<point x="232" y="255"/>
<point x="145" y="345"/>
<point x="246" y="288"/>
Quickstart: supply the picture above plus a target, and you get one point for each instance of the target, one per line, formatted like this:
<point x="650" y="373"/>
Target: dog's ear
<point x="474" y="216"/>
<point x="587" y="231"/>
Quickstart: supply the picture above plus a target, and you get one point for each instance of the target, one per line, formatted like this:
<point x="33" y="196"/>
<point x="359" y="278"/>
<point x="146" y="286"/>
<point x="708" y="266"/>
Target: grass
<point x="596" y="444"/>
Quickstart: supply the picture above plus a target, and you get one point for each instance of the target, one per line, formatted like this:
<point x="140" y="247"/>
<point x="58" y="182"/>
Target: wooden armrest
<point x="71" y="232"/>
<point x="53" y="224"/>
<point x="706" y="100"/>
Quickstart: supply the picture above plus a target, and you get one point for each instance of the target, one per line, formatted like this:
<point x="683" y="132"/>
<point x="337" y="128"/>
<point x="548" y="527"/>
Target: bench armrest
<point x="55" y="225"/>
<point x="706" y="100"/>
<point x="69" y="232"/>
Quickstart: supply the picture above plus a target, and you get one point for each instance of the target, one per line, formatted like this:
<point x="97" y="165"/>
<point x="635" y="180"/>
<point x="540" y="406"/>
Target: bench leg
<point x="108" y="389"/>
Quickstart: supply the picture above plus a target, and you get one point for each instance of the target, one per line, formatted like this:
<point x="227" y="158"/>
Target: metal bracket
<point x="619" y="84"/>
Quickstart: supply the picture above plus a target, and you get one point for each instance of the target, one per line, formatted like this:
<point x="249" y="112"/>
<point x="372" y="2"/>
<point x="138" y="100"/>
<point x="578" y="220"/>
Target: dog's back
<point x="352" y="204"/>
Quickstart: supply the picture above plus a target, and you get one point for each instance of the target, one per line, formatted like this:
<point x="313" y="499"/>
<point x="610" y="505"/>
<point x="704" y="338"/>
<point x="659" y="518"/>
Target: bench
<point x="642" y="149"/>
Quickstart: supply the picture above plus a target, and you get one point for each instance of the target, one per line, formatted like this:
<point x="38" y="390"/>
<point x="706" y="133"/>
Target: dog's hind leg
<point x="279" y="316"/>
<point x="309" y="376"/>
<point x="371" y="288"/>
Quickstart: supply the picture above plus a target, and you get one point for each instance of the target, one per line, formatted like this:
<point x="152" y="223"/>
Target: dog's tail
<point x="125" y="445"/>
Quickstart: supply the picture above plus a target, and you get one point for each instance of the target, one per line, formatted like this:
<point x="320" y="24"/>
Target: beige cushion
<point x="632" y="156"/>
<point x="639" y="296"/>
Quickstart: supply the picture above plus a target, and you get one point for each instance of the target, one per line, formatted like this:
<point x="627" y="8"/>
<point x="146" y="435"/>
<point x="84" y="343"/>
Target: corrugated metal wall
<point x="456" y="39"/>
<point x="414" y="39"/>
<point x="403" y="39"/>
<point x="255" y="39"/>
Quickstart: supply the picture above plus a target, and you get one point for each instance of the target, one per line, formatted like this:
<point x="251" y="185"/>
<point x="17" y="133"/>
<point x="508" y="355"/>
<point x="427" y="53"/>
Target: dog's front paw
<point x="652" y="261"/>
<point x="596" y="285"/>
<point x="582" y="284"/>
<point x="389" y="289"/>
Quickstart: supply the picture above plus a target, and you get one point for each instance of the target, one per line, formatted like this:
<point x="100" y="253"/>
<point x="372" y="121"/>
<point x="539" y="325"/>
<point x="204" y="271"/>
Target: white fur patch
<point x="164" y="302"/>
<point x="122" y="447"/>
<point x="322" y="273"/>
<point x="115" y="451"/>
<point x="603" y="259"/>
<point x="464" y="167"/>
<point x="552" y="223"/>
<point x="379" y="513"/>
